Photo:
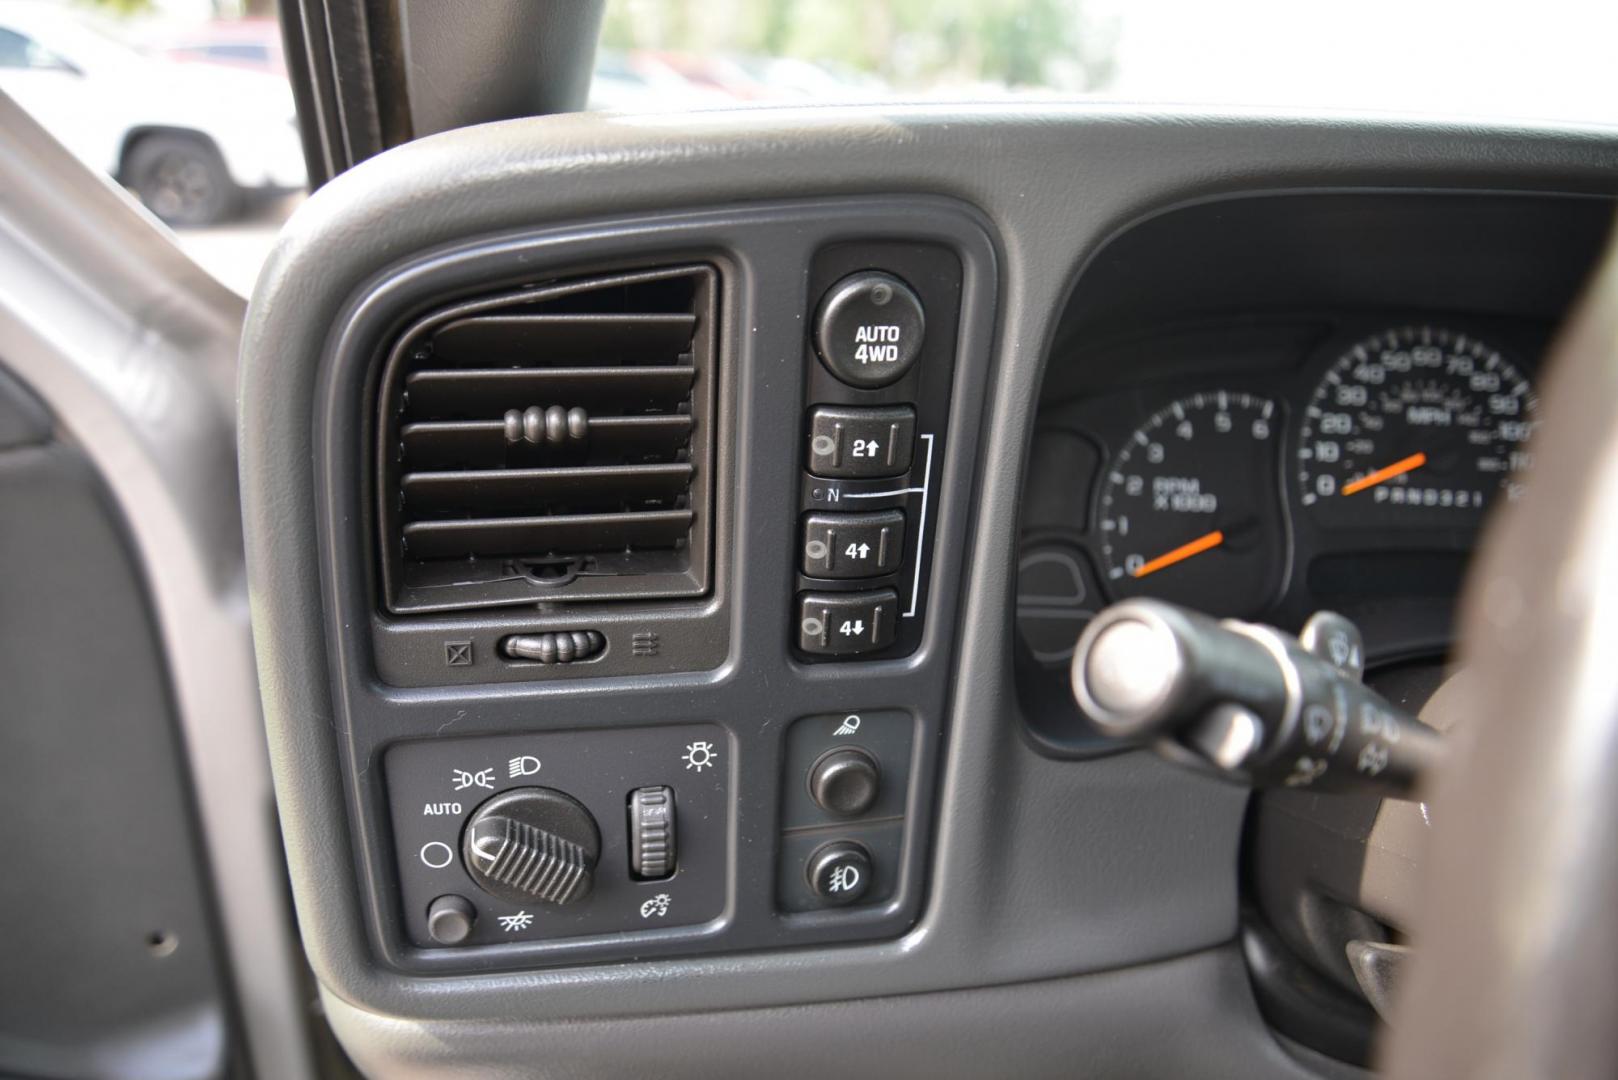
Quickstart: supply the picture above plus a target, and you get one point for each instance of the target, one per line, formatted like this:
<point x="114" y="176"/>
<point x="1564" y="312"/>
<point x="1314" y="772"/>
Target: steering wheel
<point x="1516" y="966"/>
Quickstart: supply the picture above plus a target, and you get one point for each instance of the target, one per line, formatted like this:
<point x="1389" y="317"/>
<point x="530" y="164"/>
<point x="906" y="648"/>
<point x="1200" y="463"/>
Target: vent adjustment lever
<point x="555" y="646"/>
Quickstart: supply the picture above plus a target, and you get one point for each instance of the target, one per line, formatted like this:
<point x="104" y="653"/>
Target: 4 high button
<point x="843" y="624"/>
<point x="853" y="545"/>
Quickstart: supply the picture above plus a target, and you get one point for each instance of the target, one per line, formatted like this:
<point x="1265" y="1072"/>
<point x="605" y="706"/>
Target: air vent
<point x="551" y="444"/>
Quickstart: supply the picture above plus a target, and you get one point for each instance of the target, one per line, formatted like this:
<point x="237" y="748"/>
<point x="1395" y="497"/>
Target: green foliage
<point x="120" y="8"/>
<point x="910" y="44"/>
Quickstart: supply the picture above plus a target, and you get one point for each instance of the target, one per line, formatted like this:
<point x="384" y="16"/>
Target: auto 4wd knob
<point x="530" y="845"/>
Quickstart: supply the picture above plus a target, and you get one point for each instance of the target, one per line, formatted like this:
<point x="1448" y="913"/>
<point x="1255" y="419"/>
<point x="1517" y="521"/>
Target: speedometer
<point x="1190" y="510"/>
<point x="1416" y="425"/>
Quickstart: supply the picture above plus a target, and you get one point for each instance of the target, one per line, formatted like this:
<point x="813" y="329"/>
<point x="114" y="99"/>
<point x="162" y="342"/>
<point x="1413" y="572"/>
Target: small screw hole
<point x="161" y="943"/>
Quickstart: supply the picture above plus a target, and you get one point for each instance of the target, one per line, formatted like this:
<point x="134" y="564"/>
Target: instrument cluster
<point x="1267" y="470"/>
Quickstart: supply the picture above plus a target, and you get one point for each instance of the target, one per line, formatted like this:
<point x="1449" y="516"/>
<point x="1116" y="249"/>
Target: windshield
<point x="190" y="110"/>
<point x="1547" y="60"/>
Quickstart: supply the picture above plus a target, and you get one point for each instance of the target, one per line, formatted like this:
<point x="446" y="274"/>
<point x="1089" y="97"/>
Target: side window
<point x="252" y="53"/>
<point x="17" y="51"/>
<point x="14" y="49"/>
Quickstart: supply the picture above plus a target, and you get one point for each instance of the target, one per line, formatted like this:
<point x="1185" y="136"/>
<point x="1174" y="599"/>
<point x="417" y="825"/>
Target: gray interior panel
<point x="501" y="59"/>
<point x="131" y="346"/>
<point x="1041" y="869"/>
<point x="114" y="967"/>
<point x="23" y="420"/>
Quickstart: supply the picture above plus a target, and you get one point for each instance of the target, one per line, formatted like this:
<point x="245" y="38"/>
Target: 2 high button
<point x="852" y="443"/>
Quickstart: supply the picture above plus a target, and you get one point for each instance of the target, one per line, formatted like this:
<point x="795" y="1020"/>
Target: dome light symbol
<point x="699" y="755"/>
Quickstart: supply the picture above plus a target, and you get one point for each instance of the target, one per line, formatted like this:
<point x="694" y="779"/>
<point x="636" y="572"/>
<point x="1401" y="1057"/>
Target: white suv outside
<point x="190" y="140"/>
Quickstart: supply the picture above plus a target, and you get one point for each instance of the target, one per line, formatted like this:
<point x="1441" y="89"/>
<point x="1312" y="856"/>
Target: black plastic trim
<point x="603" y="530"/>
<point x="720" y="660"/>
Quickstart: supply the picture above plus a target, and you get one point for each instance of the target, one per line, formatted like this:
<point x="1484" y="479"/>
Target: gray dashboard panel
<point x="1191" y="1016"/>
<point x="1042" y="869"/>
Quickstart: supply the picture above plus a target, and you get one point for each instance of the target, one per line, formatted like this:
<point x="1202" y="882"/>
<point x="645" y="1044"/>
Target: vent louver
<point x="551" y="443"/>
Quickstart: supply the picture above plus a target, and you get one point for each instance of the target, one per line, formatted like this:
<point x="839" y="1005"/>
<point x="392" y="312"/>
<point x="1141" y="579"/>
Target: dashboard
<point x="1260" y="368"/>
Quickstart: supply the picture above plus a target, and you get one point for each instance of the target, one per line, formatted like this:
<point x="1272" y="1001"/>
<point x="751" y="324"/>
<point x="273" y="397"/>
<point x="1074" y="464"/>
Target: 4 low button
<point x="844" y="624"/>
<point x="853" y="545"/>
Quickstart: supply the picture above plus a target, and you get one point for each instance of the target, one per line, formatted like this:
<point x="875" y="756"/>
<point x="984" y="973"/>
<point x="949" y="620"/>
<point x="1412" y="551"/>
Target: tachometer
<point x="1416" y="425"/>
<point x="1190" y="507"/>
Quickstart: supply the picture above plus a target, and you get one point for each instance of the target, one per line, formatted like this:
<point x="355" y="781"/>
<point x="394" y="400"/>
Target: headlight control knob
<point x="532" y="844"/>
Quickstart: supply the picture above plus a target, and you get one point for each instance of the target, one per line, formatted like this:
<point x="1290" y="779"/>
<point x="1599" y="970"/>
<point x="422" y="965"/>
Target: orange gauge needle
<point x="1180" y="554"/>
<point x="1398" y="468"/>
